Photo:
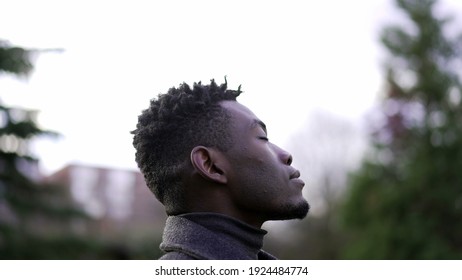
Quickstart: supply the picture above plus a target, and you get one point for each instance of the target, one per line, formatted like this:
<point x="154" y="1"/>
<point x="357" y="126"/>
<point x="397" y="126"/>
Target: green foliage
<point x="406" y="200"/>
<point x="14" y="60"/>
<point x="35" y="217"/>
<point x="39" y="220"/>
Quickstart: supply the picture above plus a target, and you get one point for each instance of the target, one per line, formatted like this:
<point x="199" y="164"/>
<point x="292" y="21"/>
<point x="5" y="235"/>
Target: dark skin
<point x="253" y="181"/>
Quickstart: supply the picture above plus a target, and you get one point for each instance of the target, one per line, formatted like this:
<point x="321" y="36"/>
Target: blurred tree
<point x="406" y="200"/>
<point x="35" y="218"/>
<point x="14" y="60"/>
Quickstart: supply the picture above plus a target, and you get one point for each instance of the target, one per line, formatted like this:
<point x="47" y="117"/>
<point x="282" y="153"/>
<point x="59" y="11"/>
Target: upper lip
<point x="295" y="174"/>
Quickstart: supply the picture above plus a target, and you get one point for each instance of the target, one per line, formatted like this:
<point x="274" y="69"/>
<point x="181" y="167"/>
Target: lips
<point x="295" y="175"/>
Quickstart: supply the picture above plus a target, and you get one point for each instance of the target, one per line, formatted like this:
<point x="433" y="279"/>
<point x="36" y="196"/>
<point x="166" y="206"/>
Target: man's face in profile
<point x="263" y="184"/>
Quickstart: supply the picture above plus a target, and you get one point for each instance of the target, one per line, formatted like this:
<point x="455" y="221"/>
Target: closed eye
<point x="263" y="138"/>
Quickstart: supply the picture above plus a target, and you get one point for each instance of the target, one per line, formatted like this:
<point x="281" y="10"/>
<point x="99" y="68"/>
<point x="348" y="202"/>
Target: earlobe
<point x="206" y="162"/>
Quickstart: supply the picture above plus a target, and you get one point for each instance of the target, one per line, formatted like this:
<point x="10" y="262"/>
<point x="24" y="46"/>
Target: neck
<point x="213" y="198"/>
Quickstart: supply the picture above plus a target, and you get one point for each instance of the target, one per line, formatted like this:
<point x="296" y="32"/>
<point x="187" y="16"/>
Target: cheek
<point x="262" y="154"/>
<point x="257" y="166"/>
<point x="267" y="182"/>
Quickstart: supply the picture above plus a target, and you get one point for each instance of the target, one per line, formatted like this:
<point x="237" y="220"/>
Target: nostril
<point x="289" y="160"/>
<point x="284" y="156"/>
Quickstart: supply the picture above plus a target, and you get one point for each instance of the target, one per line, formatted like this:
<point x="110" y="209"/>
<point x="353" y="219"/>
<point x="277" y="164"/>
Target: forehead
<point x="240" y="114"/>
<point x="243" y="120"/>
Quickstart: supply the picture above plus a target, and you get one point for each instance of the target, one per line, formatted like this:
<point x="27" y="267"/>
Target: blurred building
<point x="117" y="200"/>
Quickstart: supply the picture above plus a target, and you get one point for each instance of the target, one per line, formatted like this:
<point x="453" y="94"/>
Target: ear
<point x="207" y="162"/>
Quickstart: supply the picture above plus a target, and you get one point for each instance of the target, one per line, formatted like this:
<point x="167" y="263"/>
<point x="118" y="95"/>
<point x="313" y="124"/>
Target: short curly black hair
<point x="171" y="127"/>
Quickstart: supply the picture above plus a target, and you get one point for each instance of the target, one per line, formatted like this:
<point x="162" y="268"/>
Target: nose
<point x="287" y="159"/>
<point x="284" y="156"/>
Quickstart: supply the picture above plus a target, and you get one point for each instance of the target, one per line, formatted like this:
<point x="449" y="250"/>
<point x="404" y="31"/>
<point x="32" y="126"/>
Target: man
<point x="208" y="159"/>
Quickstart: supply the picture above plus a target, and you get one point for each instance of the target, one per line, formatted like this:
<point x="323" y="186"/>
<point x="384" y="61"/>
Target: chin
<point x="301" y="211"/>
<point x="291" y="211"/>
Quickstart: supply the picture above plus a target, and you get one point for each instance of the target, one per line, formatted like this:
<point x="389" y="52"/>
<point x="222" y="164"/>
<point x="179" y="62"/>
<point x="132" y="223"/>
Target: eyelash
<point x="264" y="138"/>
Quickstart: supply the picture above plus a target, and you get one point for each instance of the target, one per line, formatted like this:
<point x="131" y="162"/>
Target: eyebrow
<point x="256" y="123"/>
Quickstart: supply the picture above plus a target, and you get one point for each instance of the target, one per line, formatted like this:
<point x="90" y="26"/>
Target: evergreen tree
<point x="35" y="218"/>
<point x="406" y="200"/>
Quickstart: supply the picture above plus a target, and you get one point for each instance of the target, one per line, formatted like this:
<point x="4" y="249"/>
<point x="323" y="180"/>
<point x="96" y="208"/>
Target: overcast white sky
<point x="291" y="57"/>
